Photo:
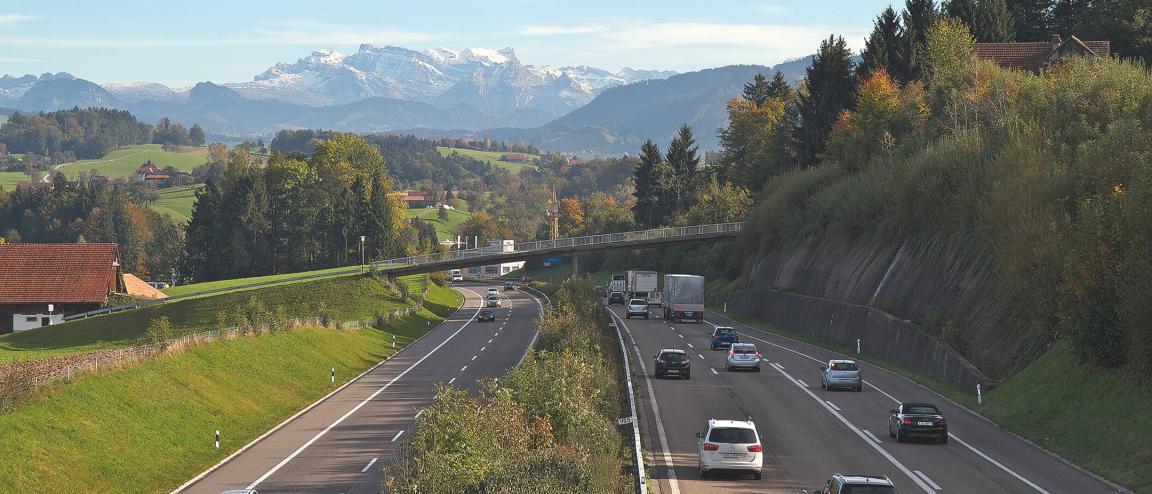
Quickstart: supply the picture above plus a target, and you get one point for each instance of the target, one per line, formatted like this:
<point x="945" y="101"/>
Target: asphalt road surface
<point x="809" y="433"/>
<point x="338" y="445"/>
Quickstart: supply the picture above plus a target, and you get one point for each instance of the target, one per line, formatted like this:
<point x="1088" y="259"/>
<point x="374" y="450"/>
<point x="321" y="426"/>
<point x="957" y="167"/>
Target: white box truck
<point x="643" y="284"/>
<point x="683" y="297"/>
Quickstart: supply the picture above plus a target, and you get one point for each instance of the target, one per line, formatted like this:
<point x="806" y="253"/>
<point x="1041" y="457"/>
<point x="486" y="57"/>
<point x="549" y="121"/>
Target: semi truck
<point x="643" y="284"/>
<point x="683" y="297"/>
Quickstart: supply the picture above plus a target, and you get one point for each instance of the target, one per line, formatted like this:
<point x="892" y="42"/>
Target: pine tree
<point x="757" y="91"/>
<point x="779" y="87"/>
<point x="1031" y="19"/>
<point x="684" y="161"/>
<point x="918" y="17"/>
<point x="993" y="22"/>
<point x="882" y="49"/>
<point x="965" y="11"/>
<point x="644" y="210"/>
<point x="830" y="90"/>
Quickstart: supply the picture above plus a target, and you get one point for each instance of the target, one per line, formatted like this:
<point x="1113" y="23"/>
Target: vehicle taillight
<point x="711" y="447"/>
<point x="940" y="421"/>
<point x="757" y="355"/>
<point x="755" y="448"/>
<point x="906" y="420"/>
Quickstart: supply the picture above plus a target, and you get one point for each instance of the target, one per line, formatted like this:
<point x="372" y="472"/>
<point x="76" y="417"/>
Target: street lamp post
<point x="361" y="253"/>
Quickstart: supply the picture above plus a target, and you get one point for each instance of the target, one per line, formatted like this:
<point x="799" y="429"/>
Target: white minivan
<point x="455" y="275"/>
<point x="730" y="445"/>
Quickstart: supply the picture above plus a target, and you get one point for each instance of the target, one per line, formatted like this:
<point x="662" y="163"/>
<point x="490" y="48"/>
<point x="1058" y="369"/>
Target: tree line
<point x="88" y="133"/>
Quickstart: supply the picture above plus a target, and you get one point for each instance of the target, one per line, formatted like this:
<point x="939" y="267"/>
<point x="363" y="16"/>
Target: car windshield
<point x="732" y="435"/>
<point x="637" y="301"/>
<point x="868" y="489"/>
<point x="744" y="349"/>
<point x="725" y="331"/>
<point x="922" y="410"/>
<point x="844" y="366"/>
<point x="673" y="357"/>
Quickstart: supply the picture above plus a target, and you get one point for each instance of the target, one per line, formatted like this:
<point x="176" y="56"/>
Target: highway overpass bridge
<point x="574" y="246"/>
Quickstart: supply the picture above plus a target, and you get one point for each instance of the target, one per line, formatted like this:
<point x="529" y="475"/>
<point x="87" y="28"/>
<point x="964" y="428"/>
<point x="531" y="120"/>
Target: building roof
<point x="32" y="185"/>
<point x="136" y="287"/>
<point x="58" y="273"/>
<point x="1037" y="55"/>
<point x="156" y="177"/>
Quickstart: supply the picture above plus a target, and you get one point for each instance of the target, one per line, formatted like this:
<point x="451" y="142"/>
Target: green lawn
<point x="445" y="230"/>
<point x="8" y="180"/>
<point x="123" y="162"/>
<point x="492" y="157"/>
<point x="346" y="298"/>
<point x="176" y="202"/>
<point x="150" y="426"/>
<point x="235" y="282"/>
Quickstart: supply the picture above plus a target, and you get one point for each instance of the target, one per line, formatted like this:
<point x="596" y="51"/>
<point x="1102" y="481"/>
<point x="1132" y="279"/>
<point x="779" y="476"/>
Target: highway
<point x="809" y="433"/>
<point x="339" y="444"/>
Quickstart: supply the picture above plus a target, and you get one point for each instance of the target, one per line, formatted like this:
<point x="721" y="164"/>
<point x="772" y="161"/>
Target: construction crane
<point x="553" y="213"/>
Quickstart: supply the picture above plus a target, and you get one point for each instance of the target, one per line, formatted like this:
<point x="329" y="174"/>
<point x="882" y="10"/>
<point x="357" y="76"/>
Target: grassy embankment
<point x="121" y="163"/>
<point x="176" y="202"/>
<point x="445" y="230"/>
<point x="8" y="180"/>
<point x="150" y="426"/>
<point x="491" y="157"/>
<point x="344" y="298"/>
<point x="237" y="282"/>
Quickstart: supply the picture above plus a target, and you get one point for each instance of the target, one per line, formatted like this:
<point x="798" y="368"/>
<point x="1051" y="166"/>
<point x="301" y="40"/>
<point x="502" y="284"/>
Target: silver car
<point x="742" y="356"/>
<point x="841" y="374"/>
<point x="637" y="307"/>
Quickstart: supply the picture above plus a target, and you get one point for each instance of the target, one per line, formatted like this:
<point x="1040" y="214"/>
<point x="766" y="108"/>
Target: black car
<point x="911" y="420"/>
<point x="509" y="286"/>
<point x="486" y="315"/>
<point x="673" y="362"/>
<point x="616" y="298"/>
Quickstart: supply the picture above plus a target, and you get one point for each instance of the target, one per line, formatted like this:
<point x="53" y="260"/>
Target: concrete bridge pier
<point x="575" y="265"/>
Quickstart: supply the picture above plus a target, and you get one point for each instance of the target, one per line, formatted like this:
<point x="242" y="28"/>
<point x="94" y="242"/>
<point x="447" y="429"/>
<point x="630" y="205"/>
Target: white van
<point x="454" y="275"/>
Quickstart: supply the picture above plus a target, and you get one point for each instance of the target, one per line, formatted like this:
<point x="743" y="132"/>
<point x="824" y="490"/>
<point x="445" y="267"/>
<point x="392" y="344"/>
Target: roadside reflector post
<point x="333" y="375"/>
<point x="217" y="438"/>
<point x="857" y="346"/>
<point x="979" y="395"/>
<point x="393" y="341"/>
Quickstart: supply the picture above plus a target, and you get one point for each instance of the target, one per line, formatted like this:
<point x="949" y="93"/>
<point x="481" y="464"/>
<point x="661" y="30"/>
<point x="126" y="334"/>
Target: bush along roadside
<point x="548" y="425"/>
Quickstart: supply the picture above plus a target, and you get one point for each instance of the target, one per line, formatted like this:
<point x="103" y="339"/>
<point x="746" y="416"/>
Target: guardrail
<point x="634" y="419"/>
<point x="541" y="246"/>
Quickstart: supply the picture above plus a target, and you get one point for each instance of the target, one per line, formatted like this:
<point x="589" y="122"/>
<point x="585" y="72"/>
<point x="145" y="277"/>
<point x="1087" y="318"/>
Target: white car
<point x="730" y="445"/>
<point x="637" y="307"/>
<point x="493" y="291"/>
<point x="493" y="300"/>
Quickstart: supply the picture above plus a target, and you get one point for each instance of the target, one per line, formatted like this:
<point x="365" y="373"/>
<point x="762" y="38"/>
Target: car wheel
<point x="859" y="388"/>
<point x="757" y="368"/>
<point x="899" y="436"/>
<point x="944" y="439"/>
<point x="890" y="433"/>
<point x="703" y="473"/>
<point x="645" y="317"/>
<point x="688" y="376"/>
<point x="759" y="475"/>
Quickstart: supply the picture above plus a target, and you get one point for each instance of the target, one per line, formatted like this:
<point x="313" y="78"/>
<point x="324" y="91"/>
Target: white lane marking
<point x="397" y="436"/>
<point x="673" y="486"/>
<point x="874" y="438"/>
<point x="356" y="408"/>
<point x="482" y="348"/>
<point x="893" y="398"/>
<point x="690" y="345"/>
<point x="802" y="383"/>
<point x="681" y="336"/>
<point x="891" y="459"/>
<point x="714" y="371"/>
<point x="421" y="412"/>
<point x="462" y="368"/>
<point x="450" y="381"/>
<point x="926" y="479"/>
<point x="833" y="405"/>
<point x="994" y="462"/>
<point x="701" y="356"/>
<point x="473" y="358"/>
<point x="489" y="342"/>
<point x="373" y="462"/>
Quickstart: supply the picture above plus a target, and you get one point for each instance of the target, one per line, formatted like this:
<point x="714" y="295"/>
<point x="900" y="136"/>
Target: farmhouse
<point x="149" y="172"/>
<point x="415" y="198"/>
<point x="514" y="157"/>
<point x="1035" y="57"/>
<point x="40" y="284"/>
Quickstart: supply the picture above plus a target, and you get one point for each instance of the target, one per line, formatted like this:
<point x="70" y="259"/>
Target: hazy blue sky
<point x="185" y="41"/>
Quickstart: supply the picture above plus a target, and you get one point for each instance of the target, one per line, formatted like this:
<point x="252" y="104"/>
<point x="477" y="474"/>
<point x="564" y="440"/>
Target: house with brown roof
<point x="40" y="284"/>
<point x="149" y="172"/>
<point x="514" y="157"/>
<point x="1035" y="57"/>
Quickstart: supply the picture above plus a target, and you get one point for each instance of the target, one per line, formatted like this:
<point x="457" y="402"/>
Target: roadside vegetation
<point x="151" y="425"/>
<point x="337" y="299"/>
<point x="548" y="425"/>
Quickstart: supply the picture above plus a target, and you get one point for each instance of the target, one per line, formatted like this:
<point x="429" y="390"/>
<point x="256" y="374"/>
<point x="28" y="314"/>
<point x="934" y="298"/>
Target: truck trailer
<point x="683" y="297"/>
<point x="643" y="284"/>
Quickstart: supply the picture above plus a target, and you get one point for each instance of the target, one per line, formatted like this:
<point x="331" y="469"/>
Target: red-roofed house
<point x="1037" y="56"/>
<point x="72" y="278"/>
<point x="149" y="171"/>
<point x="33" y="185"/>
<point x="514" y="157"/>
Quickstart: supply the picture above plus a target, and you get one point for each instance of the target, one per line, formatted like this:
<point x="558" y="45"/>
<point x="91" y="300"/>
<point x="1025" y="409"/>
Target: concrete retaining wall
<point x="881" y="334"/>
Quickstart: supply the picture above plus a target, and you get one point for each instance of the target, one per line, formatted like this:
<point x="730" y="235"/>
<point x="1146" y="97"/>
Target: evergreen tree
<point x="830" y="91"/>
<point x="882" y="49"/>
<point x="965" y="11"/>
<point x="196" y="135"/>
<point x="682" y="157"/>
<point x="918" y="17"/>
<point x="645" y="192"/>
<point x="1031" y="19"/>
<point x="779" y="88"/>
<point x="993" y="22"/>
<point x="757" y="91"/>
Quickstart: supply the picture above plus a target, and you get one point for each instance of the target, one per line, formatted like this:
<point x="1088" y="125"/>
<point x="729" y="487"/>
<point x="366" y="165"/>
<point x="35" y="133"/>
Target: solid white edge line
<point x="213" y="468"/>
<point x="802" y="383"/>
<point x="361" y="404"/>
<point x="871" y="435"/>
<point x="887" y="456"/>
<point x="673" y="485"/>
<point x="953" y="436"/>
<point x="832" y="404"/>
<point x="373" y="462"/>
<point x="928" y="480"/>
<point x="397" y="436"/>
<point x="535" y="333"/>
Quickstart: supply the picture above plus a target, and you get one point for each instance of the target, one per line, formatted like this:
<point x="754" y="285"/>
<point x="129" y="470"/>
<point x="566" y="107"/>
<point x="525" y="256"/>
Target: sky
<point x="182" y="42"/>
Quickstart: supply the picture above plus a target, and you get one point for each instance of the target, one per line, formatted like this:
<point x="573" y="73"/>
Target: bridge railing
<point x="537" y="246"/>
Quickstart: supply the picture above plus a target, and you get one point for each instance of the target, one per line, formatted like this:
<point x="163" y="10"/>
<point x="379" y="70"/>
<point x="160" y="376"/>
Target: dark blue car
<point x="723" y="337"/>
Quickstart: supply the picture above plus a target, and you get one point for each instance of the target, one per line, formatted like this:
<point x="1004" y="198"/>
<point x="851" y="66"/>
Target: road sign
<point x="625" y="420"/>
<point x="553" y="261"/>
